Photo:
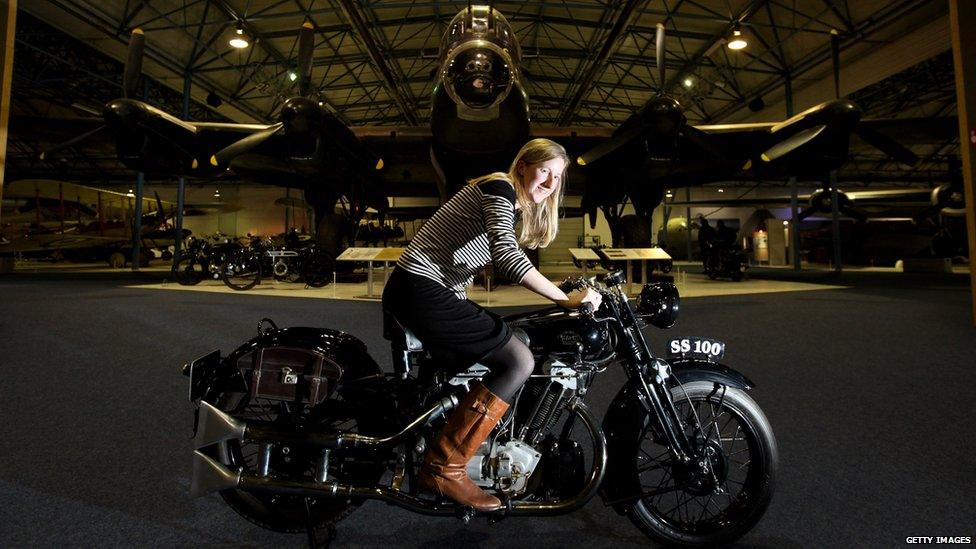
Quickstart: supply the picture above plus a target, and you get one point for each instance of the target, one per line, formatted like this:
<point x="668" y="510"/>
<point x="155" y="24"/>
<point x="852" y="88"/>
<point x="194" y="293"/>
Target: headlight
<point x="658" y="304"/>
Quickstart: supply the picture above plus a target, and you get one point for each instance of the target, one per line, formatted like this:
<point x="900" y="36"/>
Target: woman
<point x="426" y="293"/>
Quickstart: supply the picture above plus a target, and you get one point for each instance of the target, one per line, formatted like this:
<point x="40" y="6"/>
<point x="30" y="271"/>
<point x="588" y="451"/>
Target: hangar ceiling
<point x="586" y="63"/>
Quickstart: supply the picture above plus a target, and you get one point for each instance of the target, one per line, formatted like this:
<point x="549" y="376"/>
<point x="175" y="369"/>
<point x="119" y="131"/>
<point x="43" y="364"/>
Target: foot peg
<point x="465" y="513"/>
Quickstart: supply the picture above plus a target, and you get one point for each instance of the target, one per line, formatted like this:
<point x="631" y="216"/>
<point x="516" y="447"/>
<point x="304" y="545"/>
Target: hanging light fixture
<point x="737" y="41"/>
<point x="239" y="39"/>
<point x="217" y="192"/>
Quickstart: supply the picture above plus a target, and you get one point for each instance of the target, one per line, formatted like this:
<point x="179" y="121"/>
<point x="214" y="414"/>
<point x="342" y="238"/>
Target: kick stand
<point x="318" y="537"/>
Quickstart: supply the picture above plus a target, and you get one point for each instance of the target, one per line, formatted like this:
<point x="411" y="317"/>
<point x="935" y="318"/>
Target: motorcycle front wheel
<point x="188" y="271"/>
<point x="682" y="507"/>
<point x="318" y="268"/>
<point x="241" y="271"/>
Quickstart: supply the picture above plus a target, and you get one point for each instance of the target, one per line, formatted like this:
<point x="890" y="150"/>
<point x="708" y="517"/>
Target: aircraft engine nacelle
<point x="300" y="116"/>
<point x="480" y="57"/>
<point x="149" y="139"/>
<point x="950" y="199"/>
<point x="662" y="116"/>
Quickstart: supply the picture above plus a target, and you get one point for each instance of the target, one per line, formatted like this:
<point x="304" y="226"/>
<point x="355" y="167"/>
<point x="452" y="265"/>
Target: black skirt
<point x="457" y="332"/>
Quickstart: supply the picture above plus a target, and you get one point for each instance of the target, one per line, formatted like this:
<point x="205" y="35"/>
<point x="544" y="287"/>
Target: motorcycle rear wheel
<point x="745" y="462"/>
<point x="287" y="513"/>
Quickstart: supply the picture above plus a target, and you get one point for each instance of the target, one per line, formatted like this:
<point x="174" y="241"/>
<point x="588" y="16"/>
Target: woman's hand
<point x="577" y="299"/>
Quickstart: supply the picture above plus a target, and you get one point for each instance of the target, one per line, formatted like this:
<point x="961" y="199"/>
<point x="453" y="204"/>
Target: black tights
<point x="510" y="365"/>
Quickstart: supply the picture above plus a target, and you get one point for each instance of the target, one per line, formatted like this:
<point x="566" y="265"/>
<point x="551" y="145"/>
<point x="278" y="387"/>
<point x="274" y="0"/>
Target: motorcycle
<point x="202" y="258"/>
<point x="291" y="262"/>
<point x="299" y="426"/>
<point x="725" y="260"/>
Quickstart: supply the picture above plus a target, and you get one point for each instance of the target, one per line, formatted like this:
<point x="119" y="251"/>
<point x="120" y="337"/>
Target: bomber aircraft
<point x="480" y="117"/>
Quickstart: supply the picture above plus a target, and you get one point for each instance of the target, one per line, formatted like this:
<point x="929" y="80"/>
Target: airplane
<point x="479" y="118"/>
<point x="307" y="148"/>
<point x="56" y="218"/>
<point x="908" y="204"/>
<point x="656" y="149"/>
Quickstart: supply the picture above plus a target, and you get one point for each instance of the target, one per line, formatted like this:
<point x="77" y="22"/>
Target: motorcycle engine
<point x="507" y="469"/>
<point x="280" y="268"/>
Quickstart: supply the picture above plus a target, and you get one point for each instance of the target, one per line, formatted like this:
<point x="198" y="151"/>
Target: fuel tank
<point x="557" y="331"/>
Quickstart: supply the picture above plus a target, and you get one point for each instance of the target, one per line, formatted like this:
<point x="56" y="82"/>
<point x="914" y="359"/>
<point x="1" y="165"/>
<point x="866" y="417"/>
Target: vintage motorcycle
<point x="203" y="258"/>
<point x="289" y="262"/>
<point x="724" y="260"/>
<point x="299" y="426"/>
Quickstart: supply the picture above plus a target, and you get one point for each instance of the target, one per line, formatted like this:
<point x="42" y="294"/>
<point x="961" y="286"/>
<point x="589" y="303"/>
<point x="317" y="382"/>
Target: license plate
<point x="202" y="373"/>
<point x="696" y="347"/>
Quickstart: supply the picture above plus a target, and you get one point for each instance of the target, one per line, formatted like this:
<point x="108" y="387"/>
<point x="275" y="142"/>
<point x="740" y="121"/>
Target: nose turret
<point x="478" y="77"/>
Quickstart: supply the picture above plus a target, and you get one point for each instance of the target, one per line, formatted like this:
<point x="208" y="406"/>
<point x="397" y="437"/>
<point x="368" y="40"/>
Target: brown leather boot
<point x="444" y="469"/>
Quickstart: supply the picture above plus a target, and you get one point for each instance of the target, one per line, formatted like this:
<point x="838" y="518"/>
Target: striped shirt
<point x="472" y="229"/>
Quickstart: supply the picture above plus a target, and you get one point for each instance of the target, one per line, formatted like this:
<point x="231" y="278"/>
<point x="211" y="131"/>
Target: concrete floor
<point x="687" y="277"/>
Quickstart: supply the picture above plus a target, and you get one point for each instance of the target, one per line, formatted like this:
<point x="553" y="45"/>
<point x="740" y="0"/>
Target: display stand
<point x="583" y="255"/>
<point x="630" y="255"/>
<point x="369" y="256"/>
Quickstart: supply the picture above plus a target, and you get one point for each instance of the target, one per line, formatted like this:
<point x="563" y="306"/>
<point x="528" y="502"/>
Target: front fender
<point x="627" y="417"/>
<point x="687" y="370"/>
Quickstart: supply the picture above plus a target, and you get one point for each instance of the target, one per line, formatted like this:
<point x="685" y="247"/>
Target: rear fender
<point x="627" y="417"/>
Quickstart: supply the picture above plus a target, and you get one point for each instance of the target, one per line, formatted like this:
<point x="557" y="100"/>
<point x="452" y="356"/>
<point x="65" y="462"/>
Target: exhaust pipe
<point x="216" y="427"/>
<point x="210" y="476"/>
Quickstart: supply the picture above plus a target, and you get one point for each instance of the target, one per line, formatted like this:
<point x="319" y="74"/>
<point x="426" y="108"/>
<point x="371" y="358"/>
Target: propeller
<point x="237" y="148"/>
<point x="661" y="120"/>
<point x="820" y="201"/>
<point x="133" y="64"/>
<point x="792" y="143"/>
<point x="306" y="45"/>
<point x="130" y="85"/>
<point x="659" y="52"/>
<point x="298" y="112"/>
<point x="73" y="141"/>
<point x="877" y="140"/>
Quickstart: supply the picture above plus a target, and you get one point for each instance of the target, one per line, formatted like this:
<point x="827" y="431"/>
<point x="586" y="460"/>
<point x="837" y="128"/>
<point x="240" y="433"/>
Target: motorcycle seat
<point x="399" y="335"/>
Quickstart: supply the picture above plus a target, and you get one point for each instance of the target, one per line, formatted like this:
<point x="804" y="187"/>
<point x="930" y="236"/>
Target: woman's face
<point x="542" y="179"/>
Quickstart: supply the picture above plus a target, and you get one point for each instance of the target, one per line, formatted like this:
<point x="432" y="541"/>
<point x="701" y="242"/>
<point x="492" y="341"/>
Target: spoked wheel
<point x="287" y="513"/>
<point x="318" y="268"/>
<point x="721" y="496"/>
<point x="188" y="271"/>
<point x="241" y="271"/>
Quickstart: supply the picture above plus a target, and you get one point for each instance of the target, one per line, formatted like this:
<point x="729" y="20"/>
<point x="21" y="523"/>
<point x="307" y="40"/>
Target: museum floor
<point x="865" y="379"/>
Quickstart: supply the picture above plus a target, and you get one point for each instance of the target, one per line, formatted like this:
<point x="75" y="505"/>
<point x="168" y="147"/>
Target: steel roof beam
<point x="625" y="17"/>
<point x="352" y="14"/>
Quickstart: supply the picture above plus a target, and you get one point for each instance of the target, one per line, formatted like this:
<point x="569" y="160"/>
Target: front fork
<point x="654" y="394"/>
<point x="656" y="399"/>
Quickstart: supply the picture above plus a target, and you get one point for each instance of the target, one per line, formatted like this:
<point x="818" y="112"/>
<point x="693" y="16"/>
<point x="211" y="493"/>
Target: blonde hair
<point x="540" y="222"/>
